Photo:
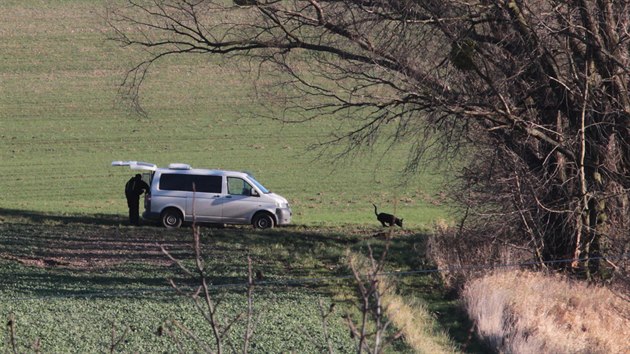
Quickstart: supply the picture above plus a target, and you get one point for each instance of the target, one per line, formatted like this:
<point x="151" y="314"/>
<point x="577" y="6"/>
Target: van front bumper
<point x="283" y="215"/>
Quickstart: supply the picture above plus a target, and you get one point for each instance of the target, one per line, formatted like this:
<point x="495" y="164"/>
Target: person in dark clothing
<point x="133" y="189"/>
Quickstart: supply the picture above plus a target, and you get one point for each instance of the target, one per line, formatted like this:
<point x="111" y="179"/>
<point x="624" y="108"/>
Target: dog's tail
<point x="375" y="211"/>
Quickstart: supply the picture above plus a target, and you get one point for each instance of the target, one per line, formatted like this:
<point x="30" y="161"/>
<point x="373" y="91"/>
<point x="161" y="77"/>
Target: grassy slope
<point x="68" y="290"/>
<point x="67" y="280"/>
<point x="62" y="126"/>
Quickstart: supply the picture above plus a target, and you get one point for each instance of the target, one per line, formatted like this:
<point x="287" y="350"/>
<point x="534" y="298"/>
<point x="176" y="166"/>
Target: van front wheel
<point x="263" y="221"/>
<point x="172" y="218"/>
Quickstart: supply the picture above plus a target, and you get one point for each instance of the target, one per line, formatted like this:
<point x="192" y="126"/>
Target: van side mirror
<point x="254" y="193"/>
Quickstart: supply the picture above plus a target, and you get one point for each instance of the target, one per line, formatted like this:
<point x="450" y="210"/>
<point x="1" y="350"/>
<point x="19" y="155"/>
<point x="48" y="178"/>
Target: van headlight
<point x="283" y="205"/>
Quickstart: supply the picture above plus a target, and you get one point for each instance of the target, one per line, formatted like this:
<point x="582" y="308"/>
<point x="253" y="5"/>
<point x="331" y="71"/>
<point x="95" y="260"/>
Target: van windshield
<point x="258" y="185"/>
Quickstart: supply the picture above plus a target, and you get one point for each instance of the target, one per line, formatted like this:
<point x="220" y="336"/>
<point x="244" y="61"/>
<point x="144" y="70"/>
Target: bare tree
<point x="12" y="344"/>
<point x="117" y="340"/>
<point x="207" y="305"/>
<point x="532" y="92"/>
<point x="370" y="330"/>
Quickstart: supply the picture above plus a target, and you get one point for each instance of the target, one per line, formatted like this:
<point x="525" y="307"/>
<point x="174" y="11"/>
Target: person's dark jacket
<point x="135" y="186"/>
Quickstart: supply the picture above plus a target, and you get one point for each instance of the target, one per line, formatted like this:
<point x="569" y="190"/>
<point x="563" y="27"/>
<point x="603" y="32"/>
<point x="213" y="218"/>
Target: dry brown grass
<point x="415" y="321"/>
<point x="409" y="315"/>
<point x="527" y="312"/>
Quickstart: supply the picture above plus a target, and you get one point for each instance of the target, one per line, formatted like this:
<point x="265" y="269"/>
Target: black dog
<point x="387" y="219"/>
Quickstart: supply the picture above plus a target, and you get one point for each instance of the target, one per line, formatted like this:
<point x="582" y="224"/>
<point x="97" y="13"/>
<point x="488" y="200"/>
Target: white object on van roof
<point x="179" y="166"/>
<point x="136" y="165"/>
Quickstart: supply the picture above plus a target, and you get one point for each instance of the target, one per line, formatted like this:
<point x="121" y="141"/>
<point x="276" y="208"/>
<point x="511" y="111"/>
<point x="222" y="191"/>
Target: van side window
<point x="172" y="182"/>
<point x="237" y="186"/>
<point x="183" y="182"/>
<point x="208" y="184"/>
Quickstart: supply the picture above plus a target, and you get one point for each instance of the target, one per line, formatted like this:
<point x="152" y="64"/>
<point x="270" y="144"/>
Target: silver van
<point x="181" y="193"/>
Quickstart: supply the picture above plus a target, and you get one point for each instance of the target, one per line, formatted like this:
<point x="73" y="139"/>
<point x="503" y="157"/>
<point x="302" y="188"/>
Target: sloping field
<point x="63" y="123"/>
<point x="79" y="284"/>
<point x="75" y="279"/>
<point x="67" y="283"/>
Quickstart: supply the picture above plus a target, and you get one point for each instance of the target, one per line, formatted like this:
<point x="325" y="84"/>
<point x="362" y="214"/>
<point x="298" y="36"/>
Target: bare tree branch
<point x="503" y="82"/>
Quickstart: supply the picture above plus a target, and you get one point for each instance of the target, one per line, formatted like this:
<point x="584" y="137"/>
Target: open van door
<point x="146" y="177"/>
<point x="136" y="165"/>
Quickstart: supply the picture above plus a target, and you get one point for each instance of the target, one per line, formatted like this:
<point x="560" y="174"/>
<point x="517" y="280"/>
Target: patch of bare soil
<point x="89" y="247"/>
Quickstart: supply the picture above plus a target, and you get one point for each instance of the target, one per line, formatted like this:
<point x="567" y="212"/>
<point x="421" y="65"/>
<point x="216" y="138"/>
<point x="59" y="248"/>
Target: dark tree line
<point x="532" y="94"/>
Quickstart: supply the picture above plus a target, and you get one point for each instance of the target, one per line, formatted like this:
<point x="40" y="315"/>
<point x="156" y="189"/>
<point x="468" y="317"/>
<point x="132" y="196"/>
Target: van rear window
<point x="184" y="182"/>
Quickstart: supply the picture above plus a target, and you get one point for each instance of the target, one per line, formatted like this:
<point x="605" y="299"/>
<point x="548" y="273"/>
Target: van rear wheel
<point x="263" y="221"/>
<point x="172" y="218"/>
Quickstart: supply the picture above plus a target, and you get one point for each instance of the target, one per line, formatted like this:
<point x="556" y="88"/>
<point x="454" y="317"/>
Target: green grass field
<point x="70" y="269"/>
<point x="67" y="282"/>
<point x="63" y="124"/>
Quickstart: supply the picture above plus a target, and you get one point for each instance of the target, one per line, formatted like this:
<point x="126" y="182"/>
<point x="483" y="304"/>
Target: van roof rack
<point x="179" y="166"/>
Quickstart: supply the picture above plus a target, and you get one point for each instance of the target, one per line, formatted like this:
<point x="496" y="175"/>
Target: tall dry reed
<point x="528" y="312"/>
